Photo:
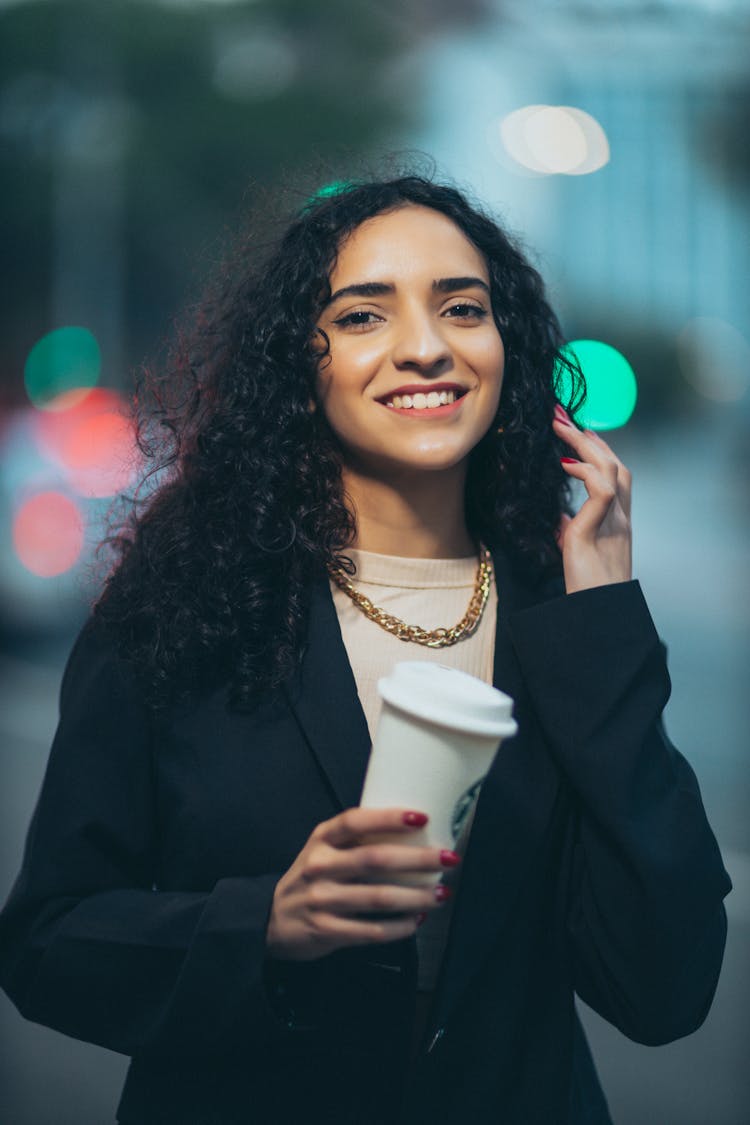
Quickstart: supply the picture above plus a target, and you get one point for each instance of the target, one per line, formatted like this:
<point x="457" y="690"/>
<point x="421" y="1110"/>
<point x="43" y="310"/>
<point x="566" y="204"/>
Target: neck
<point x="420" y="517"/>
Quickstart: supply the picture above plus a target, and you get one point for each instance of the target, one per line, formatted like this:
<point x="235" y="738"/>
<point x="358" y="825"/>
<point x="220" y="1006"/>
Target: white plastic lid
<point x="449" y="698"/>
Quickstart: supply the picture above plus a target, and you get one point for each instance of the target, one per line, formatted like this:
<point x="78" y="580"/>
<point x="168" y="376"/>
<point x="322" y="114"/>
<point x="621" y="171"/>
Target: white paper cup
<point x="438" y="733"/>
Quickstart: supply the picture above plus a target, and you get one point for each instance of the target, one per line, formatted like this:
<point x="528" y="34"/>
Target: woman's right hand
<point x="316" y="903"/>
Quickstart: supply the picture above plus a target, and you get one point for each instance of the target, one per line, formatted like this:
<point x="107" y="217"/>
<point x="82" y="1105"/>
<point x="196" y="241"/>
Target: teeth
<point x="421" y="401"/>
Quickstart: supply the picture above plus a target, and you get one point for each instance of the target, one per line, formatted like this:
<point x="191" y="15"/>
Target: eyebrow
<point x="381" y="288"/>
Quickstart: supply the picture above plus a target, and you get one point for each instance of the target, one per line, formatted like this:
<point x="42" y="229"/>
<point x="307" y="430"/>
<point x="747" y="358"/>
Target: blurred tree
<point x="134" y="131"/>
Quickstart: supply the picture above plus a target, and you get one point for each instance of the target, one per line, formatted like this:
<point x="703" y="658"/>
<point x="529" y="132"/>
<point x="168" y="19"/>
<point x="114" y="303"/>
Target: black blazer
<point x="138" y="920"/>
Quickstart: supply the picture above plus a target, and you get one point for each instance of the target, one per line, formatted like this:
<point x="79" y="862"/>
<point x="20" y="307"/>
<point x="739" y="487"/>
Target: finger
<point x="624" y="477"/>
<point x="587" y="448"/>
<point x="351" y="931"/>
<point x="602" y="494"/>
<point x="348" y="827"/>
<point x="591" y="447"/>
<point x="354" y="898"/>
<point x="374" y="861"/>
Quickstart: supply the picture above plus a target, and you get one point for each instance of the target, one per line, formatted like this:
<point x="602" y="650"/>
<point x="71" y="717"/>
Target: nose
<point x="420" y="345"/>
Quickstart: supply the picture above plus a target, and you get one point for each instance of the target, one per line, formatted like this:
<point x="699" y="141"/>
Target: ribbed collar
<point x="418" y="574"/>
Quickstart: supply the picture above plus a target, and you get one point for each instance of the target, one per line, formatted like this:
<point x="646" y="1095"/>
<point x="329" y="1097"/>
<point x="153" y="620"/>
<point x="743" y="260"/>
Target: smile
<point x="422" y="403"/>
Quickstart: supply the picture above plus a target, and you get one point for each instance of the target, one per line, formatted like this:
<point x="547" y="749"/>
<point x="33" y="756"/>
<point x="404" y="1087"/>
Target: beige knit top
<point x="430" y="593"/>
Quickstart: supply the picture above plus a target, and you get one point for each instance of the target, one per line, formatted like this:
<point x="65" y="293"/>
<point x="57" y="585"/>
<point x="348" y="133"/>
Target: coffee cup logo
<point x="462" y="808"/>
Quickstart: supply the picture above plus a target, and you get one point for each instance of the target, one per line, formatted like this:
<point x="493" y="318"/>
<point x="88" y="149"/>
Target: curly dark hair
<point x="215" y="566"/>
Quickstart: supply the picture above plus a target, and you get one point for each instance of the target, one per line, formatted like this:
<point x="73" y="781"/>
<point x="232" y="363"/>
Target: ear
<point x="319" y="342"/>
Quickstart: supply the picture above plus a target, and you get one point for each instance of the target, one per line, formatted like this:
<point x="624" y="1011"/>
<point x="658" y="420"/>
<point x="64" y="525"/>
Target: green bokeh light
<point x="336" y="187"/>
<point x="63" y="360"/>
<point x="611" y="387"/>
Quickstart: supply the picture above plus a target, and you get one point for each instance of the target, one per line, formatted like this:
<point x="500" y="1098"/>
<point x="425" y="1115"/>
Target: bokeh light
<point x="714" y="358"/>
<point x="64" y="360"/>
<point x="92" y="441"/>
<point x="611" y="387"/>
<point x="551" y="140"/>
<point x="48" y="531"/>
<point x="555" y="139"/>
<point x="336" y="187"/>
<point x="597" y="145"/>
<point x="507" y="138"/>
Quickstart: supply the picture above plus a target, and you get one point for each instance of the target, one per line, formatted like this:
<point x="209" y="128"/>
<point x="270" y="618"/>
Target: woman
<point x="370" y="411"/>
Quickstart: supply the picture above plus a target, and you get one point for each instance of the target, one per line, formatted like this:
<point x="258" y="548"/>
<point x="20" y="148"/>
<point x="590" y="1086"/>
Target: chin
<point x="439" y="455"/>
<point x="428" y="461"/>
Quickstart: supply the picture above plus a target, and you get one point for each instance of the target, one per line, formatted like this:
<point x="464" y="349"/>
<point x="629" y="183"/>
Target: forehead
<point x="408" y="243"/>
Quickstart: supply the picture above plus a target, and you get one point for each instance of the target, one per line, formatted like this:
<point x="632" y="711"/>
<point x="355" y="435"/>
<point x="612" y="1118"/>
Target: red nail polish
<point x="569" y="461"/>
<point x="449" y="859"/>
<point x="442" y="893"/>
<point x="421" y="918"/>
<point x="415" y="818"/>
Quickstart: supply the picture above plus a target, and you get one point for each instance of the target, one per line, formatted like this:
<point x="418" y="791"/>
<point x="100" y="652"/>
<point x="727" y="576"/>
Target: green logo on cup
<point x="462" y="808"/>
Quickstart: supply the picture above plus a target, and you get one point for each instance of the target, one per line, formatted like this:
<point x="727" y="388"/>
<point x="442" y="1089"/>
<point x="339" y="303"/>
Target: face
<point x="413" y="377"/>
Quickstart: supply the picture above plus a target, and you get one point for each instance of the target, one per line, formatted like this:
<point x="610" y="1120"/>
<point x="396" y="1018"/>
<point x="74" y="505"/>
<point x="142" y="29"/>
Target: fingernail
<point x="561" y="415"/>
<point x="421" y="918"/>
<point x="569" y="461"/>
<point x="449" y="859"/>
<point x="442" y="893"/>
<point x="415" y="818"/>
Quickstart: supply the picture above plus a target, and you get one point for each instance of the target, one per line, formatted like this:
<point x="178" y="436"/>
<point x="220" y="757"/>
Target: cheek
<point x="485" y="353"/>
<point x="496" y="357"/>
<point x="347" y="373"/>
<point x="491" y="363"/>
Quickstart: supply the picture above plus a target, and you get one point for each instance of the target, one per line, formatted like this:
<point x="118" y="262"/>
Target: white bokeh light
<point x="550" y="140"/>
<point x="555" y="139"/>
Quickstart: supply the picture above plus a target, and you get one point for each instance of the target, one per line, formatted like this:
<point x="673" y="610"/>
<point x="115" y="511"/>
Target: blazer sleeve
<point x="88" y="944"/>
<point x="645" y="915"/>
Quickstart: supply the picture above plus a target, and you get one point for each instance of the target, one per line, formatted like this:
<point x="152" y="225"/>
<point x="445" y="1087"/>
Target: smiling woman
<point x="410" y="320"/>
<point x="364" y="443"/>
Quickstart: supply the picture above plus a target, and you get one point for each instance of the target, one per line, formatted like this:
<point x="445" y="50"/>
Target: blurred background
<point x="610" y="135"/>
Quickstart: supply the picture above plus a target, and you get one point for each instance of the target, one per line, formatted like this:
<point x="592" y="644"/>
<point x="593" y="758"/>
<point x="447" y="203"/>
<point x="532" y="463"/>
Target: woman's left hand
<point x="596" y="543"/>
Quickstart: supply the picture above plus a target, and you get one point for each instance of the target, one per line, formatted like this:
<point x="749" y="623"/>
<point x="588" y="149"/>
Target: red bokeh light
<point x="92" y="439"/>
<point x="48" y="533"/>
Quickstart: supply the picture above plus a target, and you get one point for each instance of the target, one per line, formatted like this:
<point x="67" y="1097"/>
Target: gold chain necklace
<point x="432" y="638"/>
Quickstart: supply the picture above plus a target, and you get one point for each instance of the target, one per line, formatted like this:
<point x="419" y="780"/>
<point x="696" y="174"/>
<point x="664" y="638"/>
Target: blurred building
<point x="657" y="236"/>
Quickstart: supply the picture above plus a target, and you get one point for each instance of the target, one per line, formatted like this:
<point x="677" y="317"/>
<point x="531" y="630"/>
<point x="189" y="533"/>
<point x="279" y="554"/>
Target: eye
<point x="464" y="310"/>
<point x="360" y="318"/>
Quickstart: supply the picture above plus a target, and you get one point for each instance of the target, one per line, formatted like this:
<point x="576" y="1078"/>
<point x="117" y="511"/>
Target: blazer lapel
<point x="323" y="696"/>
<point x="513" y="811"/>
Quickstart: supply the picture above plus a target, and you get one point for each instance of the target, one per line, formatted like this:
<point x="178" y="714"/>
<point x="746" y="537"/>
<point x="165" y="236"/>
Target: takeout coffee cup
<point x="438" y="733"/>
